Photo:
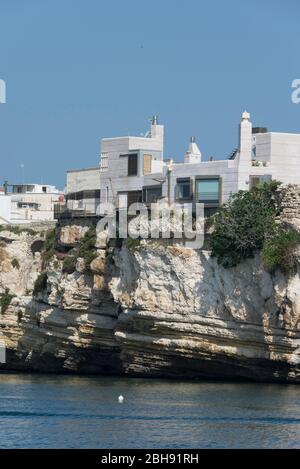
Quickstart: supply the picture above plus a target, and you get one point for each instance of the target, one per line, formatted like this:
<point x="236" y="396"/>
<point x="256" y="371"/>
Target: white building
<point x="133" y="169"/>
<point x="83" y="189"/>
<point x="26" y="203"/>
<point x="5" y="208"/>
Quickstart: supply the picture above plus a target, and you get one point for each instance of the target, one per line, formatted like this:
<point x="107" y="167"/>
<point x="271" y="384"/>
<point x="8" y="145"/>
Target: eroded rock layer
<point x="154" y="310"/>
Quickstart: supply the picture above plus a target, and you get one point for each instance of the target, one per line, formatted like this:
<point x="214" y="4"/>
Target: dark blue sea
<point x="45" y="411"/>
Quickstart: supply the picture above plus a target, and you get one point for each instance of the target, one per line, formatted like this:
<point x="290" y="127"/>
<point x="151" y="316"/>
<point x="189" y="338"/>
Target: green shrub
<point x="49" y="239"/>
<point x="15" y="263"/>
<point x="49" y="247"/>
<point x="5" y="300"/>
<point x="279" y="251"/>
<point x="40" y="284"/>
<point x="37" y="246"/>
<point x="20" y="316"/>
<point x="132" y="244"/>
<point x="86" y="248"/>
<point x="243" y="224"/>
<point x="17" y="229"/>
<point x="69" y="265"/>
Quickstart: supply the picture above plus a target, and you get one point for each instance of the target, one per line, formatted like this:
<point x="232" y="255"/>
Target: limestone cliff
<point x="157" y="310"/>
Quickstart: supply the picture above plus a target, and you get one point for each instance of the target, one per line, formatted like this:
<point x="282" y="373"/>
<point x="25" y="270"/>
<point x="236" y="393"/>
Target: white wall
<point x="280" y="152"/>
<point x="115" y="179"/>
<point x="5" y="212"/>
<point x="285" y="157"/>
<point x="44" y="212"/>
<point x="226" y="169"/>
<point x="244" y="158"/>
<point x="83" y="179"/>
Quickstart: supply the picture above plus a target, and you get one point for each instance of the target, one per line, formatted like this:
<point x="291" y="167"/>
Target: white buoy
<point x="121" y="399"/>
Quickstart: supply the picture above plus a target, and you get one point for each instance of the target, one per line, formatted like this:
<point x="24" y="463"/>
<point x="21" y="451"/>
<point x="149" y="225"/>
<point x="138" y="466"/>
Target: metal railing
<point x="63" y="211"/>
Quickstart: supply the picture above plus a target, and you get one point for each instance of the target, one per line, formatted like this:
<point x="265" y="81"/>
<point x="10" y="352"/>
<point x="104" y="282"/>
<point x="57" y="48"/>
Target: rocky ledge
<point x="152" y="309"/>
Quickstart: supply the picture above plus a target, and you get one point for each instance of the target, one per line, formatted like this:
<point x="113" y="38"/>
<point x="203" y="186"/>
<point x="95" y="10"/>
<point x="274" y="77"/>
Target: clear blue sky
<point x="79" y="70"/>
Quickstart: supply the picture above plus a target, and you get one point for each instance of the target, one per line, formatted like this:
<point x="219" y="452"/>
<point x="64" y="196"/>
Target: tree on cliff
<point x="247" y="223"/>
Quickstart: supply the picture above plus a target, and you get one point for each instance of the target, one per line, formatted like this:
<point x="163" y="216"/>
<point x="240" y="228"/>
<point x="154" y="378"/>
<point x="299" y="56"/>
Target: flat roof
<point x="83" y="169"/>
<point x="278" y="133"/>
<point x="140" y="137"/>
<point x="32" y="184"/>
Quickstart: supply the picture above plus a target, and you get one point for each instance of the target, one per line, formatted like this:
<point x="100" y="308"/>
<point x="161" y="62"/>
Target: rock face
<point x="184" y="315"/>
<point x="154" y="310"/>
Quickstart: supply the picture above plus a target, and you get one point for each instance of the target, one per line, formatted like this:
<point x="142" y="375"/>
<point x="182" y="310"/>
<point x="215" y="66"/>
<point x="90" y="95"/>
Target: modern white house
<point x="27" y="203"/>
<point x="83" y="189"/>
<point x="133" y="169"/>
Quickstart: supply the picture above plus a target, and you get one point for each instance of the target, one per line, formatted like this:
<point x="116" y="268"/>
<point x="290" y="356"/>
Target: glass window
<point x="134" y="197"/>
<point x="151" y="194"/>
<point x="183" y="189"/>
<point x="259" y="179"/>
<point x="207" y="190"/>
<point x="132" y="164"/>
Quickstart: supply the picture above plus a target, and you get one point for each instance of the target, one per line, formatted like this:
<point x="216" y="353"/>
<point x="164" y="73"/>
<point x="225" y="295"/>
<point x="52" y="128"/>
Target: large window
<point x="208" y="190"/>
<point x="151" y="194"/>
<point x="183" y="189"/>
<point x="134" y="197"/>
<point x="132" y="164"/>
<point x="80" y="195"/>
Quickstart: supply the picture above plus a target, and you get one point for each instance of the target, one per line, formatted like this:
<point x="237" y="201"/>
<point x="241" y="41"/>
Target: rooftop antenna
<point x="154" y="120"/>
<point x="193" y="139"/>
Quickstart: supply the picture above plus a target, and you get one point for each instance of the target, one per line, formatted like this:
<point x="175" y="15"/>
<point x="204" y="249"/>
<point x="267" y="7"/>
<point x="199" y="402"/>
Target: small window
<point x="183" y="189"/>
<point x="44" y="189"/>
<point x="256" y="180"/>
<point x="132" y="164"/>
<point x="207" y="190"/>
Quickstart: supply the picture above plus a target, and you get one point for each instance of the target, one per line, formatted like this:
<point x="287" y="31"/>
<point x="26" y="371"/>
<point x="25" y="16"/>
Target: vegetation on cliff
<point x="40" y="284"/>
<point x="86" y="249"/>
<point x="279" y="251"/>
<point x="247" y="223"/>
<point x="132" y="244"/>
<point x="49" y="247"/>
<point x="15" y="263"/>
<point x="5" y="300"/>
<point x="17" y="229"/>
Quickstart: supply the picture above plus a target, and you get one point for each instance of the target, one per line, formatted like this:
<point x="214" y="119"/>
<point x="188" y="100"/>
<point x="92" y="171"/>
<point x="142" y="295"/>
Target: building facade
<point x="26" y="203"/>
<point x="134" y="169"/>
<point x="83" y="190"/>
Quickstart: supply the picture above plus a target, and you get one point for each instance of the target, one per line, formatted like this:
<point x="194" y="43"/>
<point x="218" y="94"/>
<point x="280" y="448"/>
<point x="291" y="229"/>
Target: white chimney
<point x="193" y="154"/>
<point x="245" y="152"/>
<point x="157" y="131"/>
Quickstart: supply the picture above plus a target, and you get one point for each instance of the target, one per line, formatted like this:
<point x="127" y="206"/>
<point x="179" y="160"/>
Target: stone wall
<point x="289" y="203"/>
